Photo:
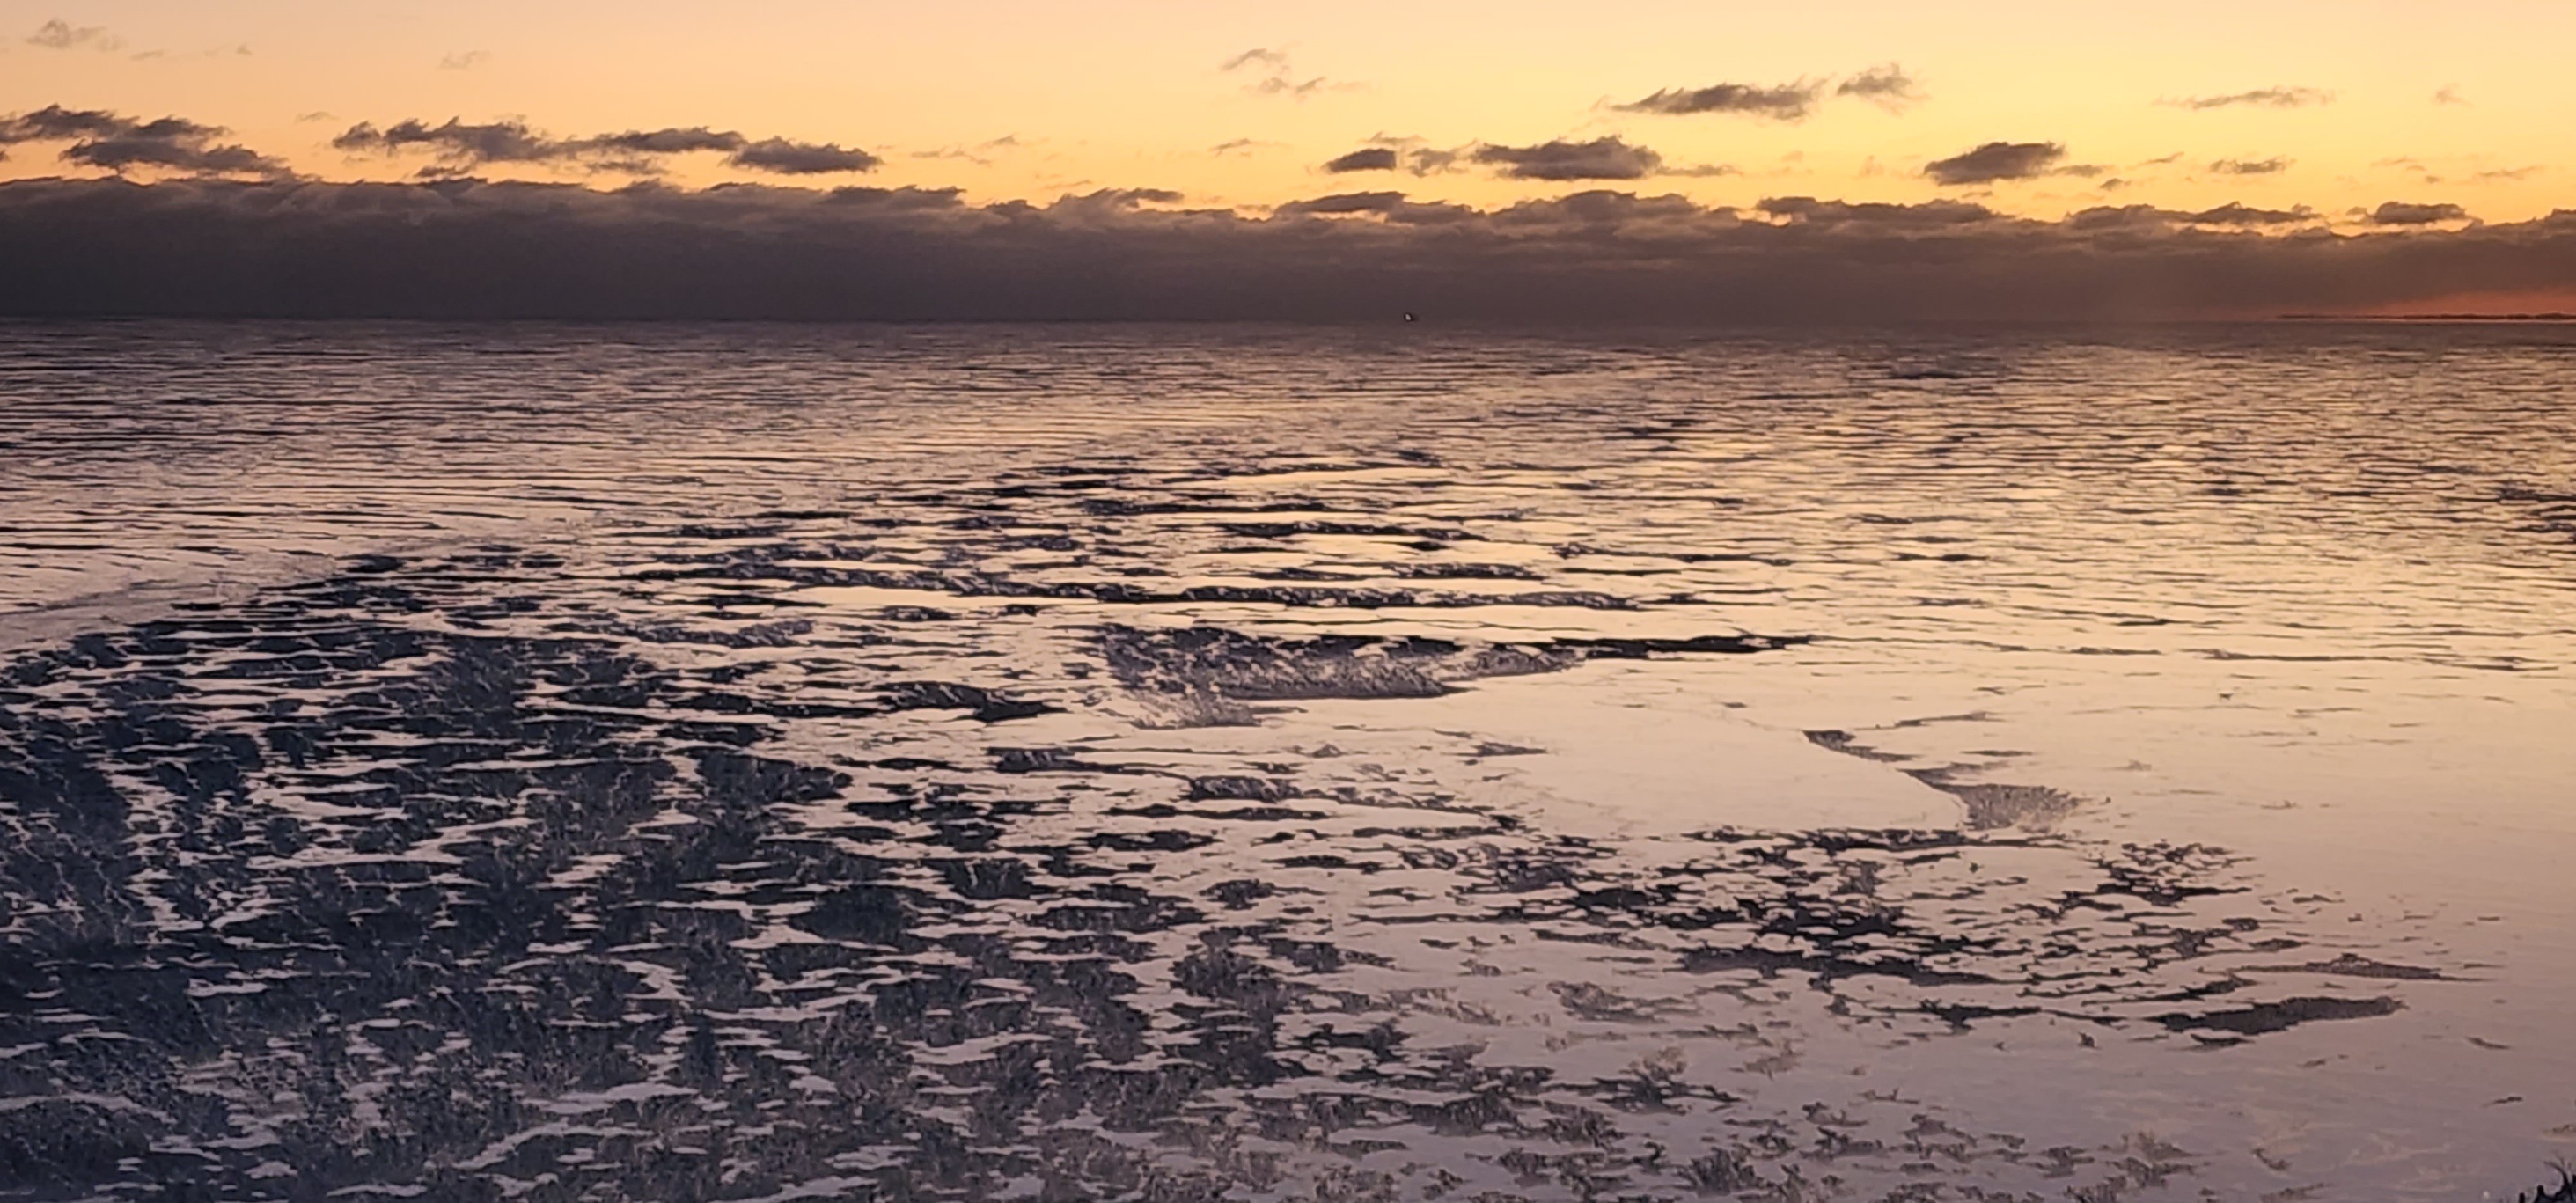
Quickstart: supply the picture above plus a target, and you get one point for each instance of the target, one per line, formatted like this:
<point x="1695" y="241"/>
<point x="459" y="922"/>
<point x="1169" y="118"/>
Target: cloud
<point x="1384" y="153"/>
<point x="466" y="61"/>
<point x="1431" y="162"/>
<point x="1393" y="207"/>
<point x="54" y="122"/>
<point x="2449" y="94"/>
<point x="142" y="149"/>
<point x="1258" y="56"/>
<point x="1779" y="102"/>
<point x="1276" y="77"/>
<point x="1808" y="210"/>
<point x="58" y="34"/>
<point x="460" y="145"/>
<point x="975" y="154"/>
<point x="667" y="141"/>
<point x="118" y="143"/>
<point x="2271" y="166"/>
<point x="1297" y="89"/>
<point x="495" y="142"/>
<point x="1605" y="158"/>
<point x="1236" y="146"/>
<point x="2400" y="213"/>
<point x="1886" y="85"/>
<point x="459" y="248"/>
<point x="1106" y="205"/>
<point x="783" y="157"/>
<point x="2268" y="98"/>
<point x="1373" y="158"/>
<point x="1996" y="161"/>
<point x="2148" y="217"/>
<point x="1347" y="202"/>
<point x="1140" y="196"/>
<point x="2237" y="214"/>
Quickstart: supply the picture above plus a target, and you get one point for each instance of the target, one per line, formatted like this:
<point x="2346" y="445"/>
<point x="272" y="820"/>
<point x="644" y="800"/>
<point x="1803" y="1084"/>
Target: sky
<point x="2276" y="118"/>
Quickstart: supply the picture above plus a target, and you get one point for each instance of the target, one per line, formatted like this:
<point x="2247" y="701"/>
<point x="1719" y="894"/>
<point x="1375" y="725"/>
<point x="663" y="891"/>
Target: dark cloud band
<point x="459" y="249"/>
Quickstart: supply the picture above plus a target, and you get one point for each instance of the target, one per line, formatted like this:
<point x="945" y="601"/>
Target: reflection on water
<point x="752" y="763"/>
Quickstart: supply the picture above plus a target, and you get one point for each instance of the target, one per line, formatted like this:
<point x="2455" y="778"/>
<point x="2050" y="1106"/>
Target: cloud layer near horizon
<point x="466" y="248"/>
<point x="461" y="147"/>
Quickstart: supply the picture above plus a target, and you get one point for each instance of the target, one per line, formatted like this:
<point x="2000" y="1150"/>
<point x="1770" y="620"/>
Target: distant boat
<point x="1408" y="316"/>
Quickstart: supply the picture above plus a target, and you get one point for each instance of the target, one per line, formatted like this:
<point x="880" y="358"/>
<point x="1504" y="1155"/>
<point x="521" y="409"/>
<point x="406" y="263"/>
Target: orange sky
<point x="2460" y="103"/>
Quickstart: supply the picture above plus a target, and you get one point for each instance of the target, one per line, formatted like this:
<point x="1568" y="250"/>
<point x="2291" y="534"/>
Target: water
<point x="671" y="762"/>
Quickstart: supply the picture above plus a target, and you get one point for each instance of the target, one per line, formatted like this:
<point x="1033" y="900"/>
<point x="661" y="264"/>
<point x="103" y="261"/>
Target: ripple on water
<point x="448" y="874"/>
<point x="765" y="763"/>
